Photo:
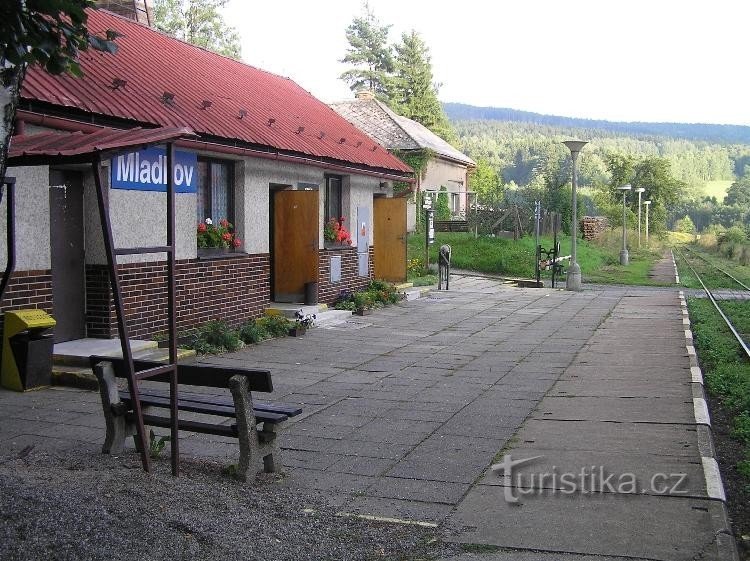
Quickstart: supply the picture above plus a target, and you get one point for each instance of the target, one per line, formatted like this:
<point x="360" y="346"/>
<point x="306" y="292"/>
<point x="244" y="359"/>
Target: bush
<point x="216" y="337"/>
<point x="252" y="332"/>
<point x="275" y="325"/>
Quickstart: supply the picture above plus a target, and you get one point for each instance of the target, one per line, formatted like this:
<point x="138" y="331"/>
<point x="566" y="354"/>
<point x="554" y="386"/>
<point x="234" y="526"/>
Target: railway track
<point x="731" y="326"/>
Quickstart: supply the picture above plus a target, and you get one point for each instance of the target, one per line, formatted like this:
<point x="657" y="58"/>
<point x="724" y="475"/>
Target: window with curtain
<point x="333" y="197"/>
<point x="215" y="190"/>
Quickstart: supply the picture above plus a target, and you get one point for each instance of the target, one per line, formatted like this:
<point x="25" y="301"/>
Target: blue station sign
<point x="146" y="170"/>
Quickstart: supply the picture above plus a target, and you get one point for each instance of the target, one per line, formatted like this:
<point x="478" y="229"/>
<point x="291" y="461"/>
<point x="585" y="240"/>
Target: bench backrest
<point x="206" y="375"/>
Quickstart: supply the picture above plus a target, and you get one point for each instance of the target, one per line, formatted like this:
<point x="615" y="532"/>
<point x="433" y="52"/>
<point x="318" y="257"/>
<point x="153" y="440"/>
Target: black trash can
<point x="32" y="351"/>
<point x="311" y="293"/>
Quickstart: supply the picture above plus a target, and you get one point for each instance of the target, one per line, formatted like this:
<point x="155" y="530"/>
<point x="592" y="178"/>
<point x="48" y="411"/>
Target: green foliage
<point x="156" y="444"/>
<point x="200" y="23"/>
<point x="485" y="181"/>
<point x="377" y="294"/>
<point x="413" y="92"/>
<point x="370" y="55"/>
<point x="726" y="372"/>
<point x="739" y="193"/>
<point x="442" y="206"/>
<point x="215" y="337"/>
<point x="275" y="325"/>
<point x="252" y="332"/>
<point x="50" y="33"/>
<point x="685" y="225"/>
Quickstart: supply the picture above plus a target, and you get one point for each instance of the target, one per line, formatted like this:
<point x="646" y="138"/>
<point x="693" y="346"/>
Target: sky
<point x="620" y="60"/>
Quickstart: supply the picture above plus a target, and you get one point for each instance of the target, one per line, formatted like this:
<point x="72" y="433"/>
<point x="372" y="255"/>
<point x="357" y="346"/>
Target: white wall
<point x="32" y="219"/>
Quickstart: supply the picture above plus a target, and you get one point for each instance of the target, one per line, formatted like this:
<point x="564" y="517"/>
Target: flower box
<point x="297" y="331"/>
<point x="362" y="312"/>
<point x="209" y="252"/>
<point x="336" y="245"/>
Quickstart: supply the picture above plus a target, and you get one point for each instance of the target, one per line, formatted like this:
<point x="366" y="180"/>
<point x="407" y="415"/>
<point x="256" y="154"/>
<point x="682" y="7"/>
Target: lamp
<point x="640" y="191"/>
<point x="573" y="280"/>
<point x="648" y="204"/>
<point x="624" y="257"/>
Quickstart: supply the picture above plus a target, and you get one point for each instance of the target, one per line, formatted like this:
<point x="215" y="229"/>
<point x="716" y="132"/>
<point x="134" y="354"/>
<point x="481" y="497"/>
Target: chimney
<point x="365" y="95"/>
<point x="138" y="10"/>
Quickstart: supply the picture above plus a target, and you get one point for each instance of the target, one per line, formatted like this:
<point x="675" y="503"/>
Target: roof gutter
<point x="61" y="123"/>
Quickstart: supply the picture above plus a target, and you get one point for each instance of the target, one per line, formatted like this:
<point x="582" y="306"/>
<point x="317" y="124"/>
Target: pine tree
<point x="370" y="55"/>
<point x="414" y="93"/>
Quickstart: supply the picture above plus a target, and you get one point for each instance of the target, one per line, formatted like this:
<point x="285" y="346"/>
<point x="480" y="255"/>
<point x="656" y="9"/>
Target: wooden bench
<point x="255" y="422"/>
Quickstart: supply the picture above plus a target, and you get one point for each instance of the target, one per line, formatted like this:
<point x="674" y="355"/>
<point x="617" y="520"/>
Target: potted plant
<point x="216" y="240"/>
<point x="335" y="233"/>
<point x="362" y="304"/>
<point x="302" y="322"/>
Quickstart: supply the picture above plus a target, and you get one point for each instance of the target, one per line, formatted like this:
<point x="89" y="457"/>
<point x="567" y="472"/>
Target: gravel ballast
<point x="88" y="506"/>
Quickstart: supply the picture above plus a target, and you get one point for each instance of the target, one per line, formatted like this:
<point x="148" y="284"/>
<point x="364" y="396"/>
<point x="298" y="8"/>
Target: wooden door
<point x="389" y="237"/>
<point x="295" y="243"/>
<point x="67" y="253"/>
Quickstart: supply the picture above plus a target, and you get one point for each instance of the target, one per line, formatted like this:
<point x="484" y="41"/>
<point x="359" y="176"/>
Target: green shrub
<point x="275" y="325"/>
<point x="216" y="337"/>
<point x="252" y="332"/>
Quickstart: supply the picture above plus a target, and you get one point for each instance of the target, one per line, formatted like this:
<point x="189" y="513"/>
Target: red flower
<point x="226" y="236"/>
<point x="224" y="223"/>
<point x="237" y="242"/>
<point x="201" y="227"/>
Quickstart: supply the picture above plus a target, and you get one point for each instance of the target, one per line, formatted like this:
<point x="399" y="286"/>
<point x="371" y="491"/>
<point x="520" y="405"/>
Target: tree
<point x="685" y="225"/>
<point x="486" y="183"/>
<point x="198" y="22"/>
<point x="47" y="33"/>
<point x="413" y="91"/>
<point x="739" y="193"/>
<point x="370" y="55"/>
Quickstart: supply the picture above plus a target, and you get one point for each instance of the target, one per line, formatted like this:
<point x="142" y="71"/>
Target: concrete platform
<point x="77" y="352"/>
<point x="406" y="410"/>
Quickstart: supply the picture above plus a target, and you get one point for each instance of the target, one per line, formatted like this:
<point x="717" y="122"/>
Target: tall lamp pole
<point x="648" y="204"/>
<point x="624" y="257"/>
<point x="640" y="191"/>
<point x="573" y="281"/>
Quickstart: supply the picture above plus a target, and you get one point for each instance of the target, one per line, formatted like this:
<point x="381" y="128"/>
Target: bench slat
<point x="195" y="407"/>
<point x="206" y="375"/>
<point x="281" y="408"/>
<point x="190" y="426"/>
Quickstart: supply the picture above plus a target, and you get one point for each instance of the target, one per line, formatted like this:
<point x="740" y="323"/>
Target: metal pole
<point x="639" y="218"/>
<point x="624" y="257"/>
<point x="10" y="229"/>
<point x="537" y="216"/>
<point x="573" y="280"/>
<point x="174" y="442"/>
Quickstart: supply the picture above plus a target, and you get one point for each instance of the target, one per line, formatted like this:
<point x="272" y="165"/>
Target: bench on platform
<point x="255" y="422"/>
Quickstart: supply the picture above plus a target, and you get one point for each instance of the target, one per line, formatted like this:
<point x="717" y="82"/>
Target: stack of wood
<point x="593" y="226"/>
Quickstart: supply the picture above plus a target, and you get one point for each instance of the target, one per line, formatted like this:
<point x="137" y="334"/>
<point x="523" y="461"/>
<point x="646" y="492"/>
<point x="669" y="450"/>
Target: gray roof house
<point x="448" y="167"/>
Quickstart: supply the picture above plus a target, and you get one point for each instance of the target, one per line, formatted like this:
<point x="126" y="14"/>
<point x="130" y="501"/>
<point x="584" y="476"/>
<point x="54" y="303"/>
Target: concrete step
<point x="289" y="309"/>
<point x="77" y="353"/>
<point x="331" y="317"/>
<point x="415" y="293"/>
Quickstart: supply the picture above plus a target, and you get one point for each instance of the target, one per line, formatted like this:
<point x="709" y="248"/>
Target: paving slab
<point x="665" y="528"/>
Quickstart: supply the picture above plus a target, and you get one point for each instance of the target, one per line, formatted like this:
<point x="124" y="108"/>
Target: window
<point x="333" y="197"/>
<point x="215" y="190"/>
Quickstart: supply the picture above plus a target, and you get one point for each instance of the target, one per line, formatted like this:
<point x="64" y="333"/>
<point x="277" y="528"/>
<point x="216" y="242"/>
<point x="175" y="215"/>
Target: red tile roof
<point x="215" y="96"/>
<point x="33" y="149"/>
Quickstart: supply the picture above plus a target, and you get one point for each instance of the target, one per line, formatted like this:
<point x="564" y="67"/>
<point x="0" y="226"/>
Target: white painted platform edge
<point x="696" y="375"/>
<point x="714" y="485"/>
<point x="700" y="409"/>
<point x="690" y="350"/>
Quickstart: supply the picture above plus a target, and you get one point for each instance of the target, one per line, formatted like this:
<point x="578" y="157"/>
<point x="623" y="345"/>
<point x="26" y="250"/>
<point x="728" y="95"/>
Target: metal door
<point x="389" y="238"/>
<point x="67" y="251"/>
<point x="295" y="243"/>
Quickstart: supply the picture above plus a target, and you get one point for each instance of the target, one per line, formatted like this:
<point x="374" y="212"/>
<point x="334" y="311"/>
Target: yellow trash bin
<point x="27" y="350"/>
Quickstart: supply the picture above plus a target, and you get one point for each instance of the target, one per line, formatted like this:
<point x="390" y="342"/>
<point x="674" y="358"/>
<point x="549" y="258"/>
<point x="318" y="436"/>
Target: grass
<point x="712" y="277"/>
<point x="599" y="261"/>
<point x="716" y="189"/>
<point x="725" y="369"/>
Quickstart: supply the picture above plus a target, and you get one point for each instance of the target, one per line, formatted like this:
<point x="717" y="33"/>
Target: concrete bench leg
<point x="255" y="446"/>
<point x="118" y="429"/>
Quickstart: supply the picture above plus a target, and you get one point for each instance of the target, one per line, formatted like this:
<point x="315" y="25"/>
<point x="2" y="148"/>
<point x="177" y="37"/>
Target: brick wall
<point x="350" y="280"/>
<point x="233" y="289"/>
<point x="27" y="289"/>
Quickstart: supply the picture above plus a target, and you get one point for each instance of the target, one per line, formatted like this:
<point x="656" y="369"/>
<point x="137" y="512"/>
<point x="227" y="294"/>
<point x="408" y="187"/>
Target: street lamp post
<point x="573" y="280"/>
<point x="640" y="191"/>
<point x="624" y="257"/>
<point x="648" y="204"/>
